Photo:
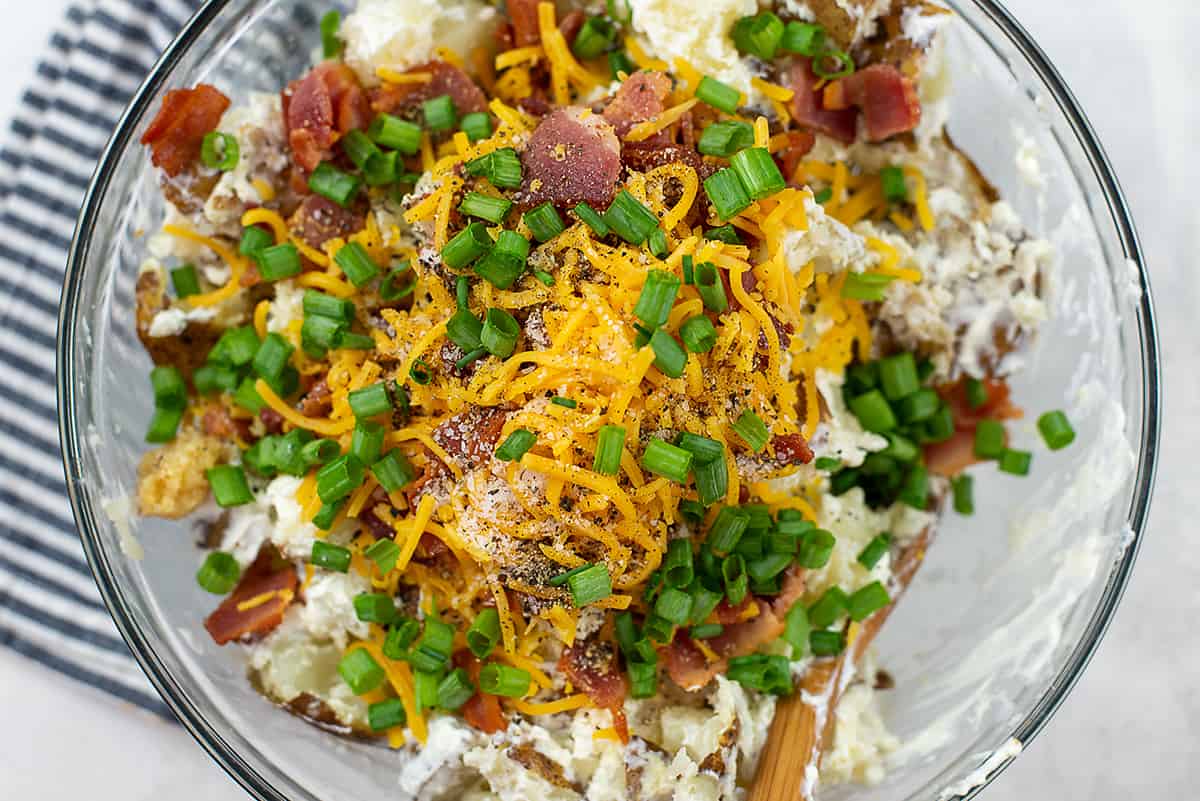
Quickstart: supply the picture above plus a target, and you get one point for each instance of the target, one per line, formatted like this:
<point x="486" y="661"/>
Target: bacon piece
<point x="592" y="667"/>
<point x="317" y="401"/>
<point x="447" y="80"/>
<point x="325" y="102"/>
<point x="887" y="98"/>
<point x="640" y="98"/>
<point x="482" y="710"/>
<point x="272" y="420"/>
<point x="268" y="574"/>
<point x="798" y="146"/>
<point x="792" y="449"/>
<point x="470" y="436"/>
<point x="523" y="14"/>
<point x="956" y="454"/>
<point x="648" y="155"/>
<point x="690" y="669"/>
<point x="808" y="111"/>
<point x="572" y="158"/>
<point x="319" y="219"/>
<point x="177" y="133"/>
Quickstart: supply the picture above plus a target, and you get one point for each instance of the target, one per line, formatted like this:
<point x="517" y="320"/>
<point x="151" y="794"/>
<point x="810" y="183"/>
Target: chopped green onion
<point x="566" y="403"/>
<point x="484" y="633"/>
<point x="704" y="603"/>
<point x="619" y="63"/>
<point x="544" y="222"/>
<point x="691" y="511"/>
<point x="272" y="356"/>
<point x="396" y="133"/>
<point x="843" y="65"/>
<point x="796" y="629"/>
<point x="657" y="243"/>
<point x="677" y="565"/>
<point x="674" y="605"/>
<point x="397" y="285"/>
<point x="827" y="463"/>
<point x="816" y="549"/>
<point x="804" y="38"/>
<point x="689" y="274"/>
<point x="828" y="608"/>
<point x="873" y="411"/>
<point x="543" y="276"/>
<point x="504" y="680"/>
<point x="500" y="333"/>
<point x="918" y="407"/>
<point x="658" y="295"/>
<point x="729" y="197"/>
<point x="499" y="269"/>
<point x="827" y="643"/>
<point x="485" y="207"/>
<point x="440" y="113"/>
<point x="733" y="573"/>
<point x="229" y="485"/>
<point x="327" y="514"/>
<point x="643" y="679"/>
<point x="703" y="449"/>
<point x="387" y="714"/>
<point x="401" y="634"/>
<point x="425" y="684"/>
<point x="900" y="448"/>
<point x="464" y="329"/>
<point x="331" y="46"/>
<point x="356" y="263"/>
<point x="324" y="305"/>
<point x="964" y="500"/>
<point x="898" y="375"/>
<point x="712" y="479"/>
<point x="706" y="631"/>
<point x="247" y="396"/>
<point x="823" y="197"/>
<point x="219" y="574"/>
<point x="432" y="652"/>
<point x="467" y="246"/>
<point x="630" y="219"/>
<point x="454" y="690"/>
<point x="170" y="391"/>
<point x="393" y="471"/>
<point x="940" y="427"/>
<point x="593" y="219"/>
<point x="768" y="566"/>
<point x="319" y="334"/>
<point x="894" y="188"/>
<point x="1015" y="462"/>
<point x="502" y="167"/>
<point x="723" y="139"/>
<point x="1056" y="430"/>
<point x="759" y="35"/>
<point x="666" y="460"/>
<point x="867" y="287"/>
<point x="384" y="553"/>
<point x="609" y="444"/>
<point x="381" y="169"/>
<point x="219" y="151"/>
<point x="339" y="478"/>
<point x="753" y="431"/>
<point x="915" y="491"/>
<point x="184" y="281"/>
<point x="669" y="356"/>
<point x="419" y="373"/>
<point x="361" y="672"/>
<point x="977" y="393"/>
<point x="867" y="601"/>
<point x="711" y="288"/>
<point x="516" y="445"/>
<point x="359" y="148"/>
<point x="374" y="607"/>
<point x="367" y="441"/>
<point x="595" y="37"/>
<point x="758" y="172"/>
<point x="562" y="578"/>
<point x="331" y="183"/>
<point x="990" y="439"/>
<point x="718" y="95"/>
<point x="279" y="261"/>
<point x="513" y="244"/>
<point x="727" y="529"/>
<point x="476" y="125"/>
<point x="370" y="401"/>
<point x="724" y="233"/>
<point x="874" y="550"/>
<point x="330" y="556"/>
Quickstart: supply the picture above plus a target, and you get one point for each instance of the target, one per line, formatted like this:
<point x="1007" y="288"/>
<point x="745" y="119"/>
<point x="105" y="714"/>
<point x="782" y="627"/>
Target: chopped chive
<point x="229" y="485"/>
<point x="874" y="550"/>
<point x="219" y="574"/>
<point x="566" y="403"/>
<point x="711" y="288"/>
<point x="753" y="431"/>
<point x="516" y="445"/>
<point x="718" y="95"/>
<point x="609" y="444"/>
<point x="544" y="222"/>
<point x="727" y="193"/>
<point x="1056" y="430"/>
<point x="689" y="274"/>
<point x="330" y="556"/>
<point x="593" y="219"/>
<point x="666" y="460"/>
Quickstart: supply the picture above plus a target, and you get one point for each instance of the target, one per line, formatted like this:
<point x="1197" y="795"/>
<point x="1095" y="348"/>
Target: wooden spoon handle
<point x="803" y="724"/>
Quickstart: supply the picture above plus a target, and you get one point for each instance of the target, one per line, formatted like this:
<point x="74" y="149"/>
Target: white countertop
<point x="1130" y="730"/>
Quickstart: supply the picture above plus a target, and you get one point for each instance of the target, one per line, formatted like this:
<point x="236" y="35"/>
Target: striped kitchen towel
<point x="50" y="610"/>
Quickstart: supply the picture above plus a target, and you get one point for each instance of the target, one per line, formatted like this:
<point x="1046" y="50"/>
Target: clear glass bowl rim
<point x="246" y="775"/>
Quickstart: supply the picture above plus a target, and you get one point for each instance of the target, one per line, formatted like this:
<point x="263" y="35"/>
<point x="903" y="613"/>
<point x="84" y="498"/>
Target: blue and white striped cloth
<point x="50" y="610"/>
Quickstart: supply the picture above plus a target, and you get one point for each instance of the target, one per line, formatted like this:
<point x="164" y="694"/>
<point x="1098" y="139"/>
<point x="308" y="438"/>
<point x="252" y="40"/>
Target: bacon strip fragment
<point x="592" y="667"/>
<point x="267" y="575"/>
<point x="952" y="457"/>
<point x="446" y="79"/>
<point x="324" y="104"/>
<point x="177" y="133"/>
<point x="888" y="100"/>
<point x="641" y="97"/>
<point x="573" y="156"/>
<point x="482" y="710"/>
<point x="807" y="107"/>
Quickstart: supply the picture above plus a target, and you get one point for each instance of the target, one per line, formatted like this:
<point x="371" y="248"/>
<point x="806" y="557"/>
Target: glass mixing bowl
<point x="1001" y="620"/>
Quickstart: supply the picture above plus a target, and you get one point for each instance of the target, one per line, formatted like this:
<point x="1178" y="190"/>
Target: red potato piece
<point x="324" y="104"/>
<point x="888" y="100"/>
<point x="640" y="98"/>
<point x="267" y="574"/>
<point x="807" y="107"/>
<point x="447" y="80"/>
<point x="177" y="133"/>
<point x="572" y="156"/>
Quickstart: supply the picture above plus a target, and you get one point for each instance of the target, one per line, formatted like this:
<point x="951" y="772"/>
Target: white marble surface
<point x="1130" y="730"/>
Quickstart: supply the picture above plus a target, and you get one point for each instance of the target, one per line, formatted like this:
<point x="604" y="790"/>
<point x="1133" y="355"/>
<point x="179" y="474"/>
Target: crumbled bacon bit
<point x="640" y="98"/>
<point x="807" y="108"/>
<point x="268" y="574"/>
<point x="317" y="401"/>
<point x="471" y="436"/>
<point x="572" y="157"/>
<point x="319" y="219"/>
<point x="177" y="133"/>
<point x="447" y="80"/>
<point x="888" y="100"/>
<point x="325" y="102"/>
<point x="792" y="449"/>
<point x="481" y="710"/>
